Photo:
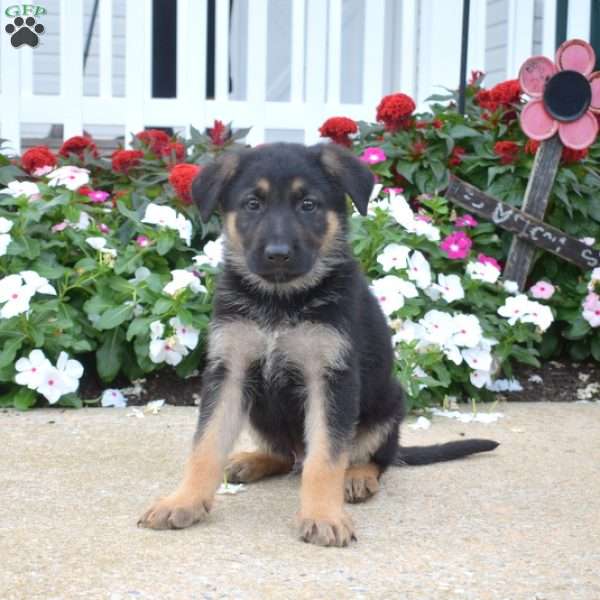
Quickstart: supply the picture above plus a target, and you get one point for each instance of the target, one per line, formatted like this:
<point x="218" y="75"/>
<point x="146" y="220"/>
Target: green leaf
<point x="595" y="347"/>
<point x="24" y="399"/>
<point x="165" y="243"/>
<point x="9" y="351"/>
<point x="406" y="169"/>
<point x="462" y="131"/>
<point x="138" y="327"/>
<point x="113" y="317"/>
<point x="579" y="328"/>
<point x="108" y="355"/>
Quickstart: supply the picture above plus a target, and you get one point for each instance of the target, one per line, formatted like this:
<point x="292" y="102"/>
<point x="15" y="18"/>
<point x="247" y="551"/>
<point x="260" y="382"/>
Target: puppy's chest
<point x="308" y="347"/>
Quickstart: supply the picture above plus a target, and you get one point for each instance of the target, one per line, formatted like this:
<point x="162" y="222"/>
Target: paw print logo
<point x="24" y="31"/>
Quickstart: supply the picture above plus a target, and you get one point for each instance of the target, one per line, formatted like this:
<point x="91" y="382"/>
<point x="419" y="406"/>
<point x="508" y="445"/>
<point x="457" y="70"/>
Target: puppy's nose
<point x="277" y="253"/>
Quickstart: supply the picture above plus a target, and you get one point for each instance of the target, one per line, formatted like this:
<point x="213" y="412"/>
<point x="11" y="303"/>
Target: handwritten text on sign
<point x="523" y="225"/>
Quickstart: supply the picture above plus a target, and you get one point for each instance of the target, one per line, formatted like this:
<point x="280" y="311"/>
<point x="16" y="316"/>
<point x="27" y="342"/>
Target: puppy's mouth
<point x="279" y="275"/>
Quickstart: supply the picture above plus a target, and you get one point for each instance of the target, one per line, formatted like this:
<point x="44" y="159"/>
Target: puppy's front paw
<point x="174" y="512"/>
<point x="336" y="531"/>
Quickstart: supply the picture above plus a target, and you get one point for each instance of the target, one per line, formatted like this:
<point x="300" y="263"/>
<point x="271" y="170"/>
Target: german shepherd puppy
<point x="298" y="347"/>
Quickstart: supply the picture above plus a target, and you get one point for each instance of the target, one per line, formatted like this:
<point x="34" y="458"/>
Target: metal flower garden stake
<point x="564" y="97"/>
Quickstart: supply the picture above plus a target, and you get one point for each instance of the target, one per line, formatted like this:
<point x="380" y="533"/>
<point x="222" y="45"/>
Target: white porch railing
<point x="425" y="48"/>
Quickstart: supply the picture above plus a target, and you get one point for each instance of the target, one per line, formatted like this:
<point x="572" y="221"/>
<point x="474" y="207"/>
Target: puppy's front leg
<point x="328" y="427"/>
<point x="221" y="419"/>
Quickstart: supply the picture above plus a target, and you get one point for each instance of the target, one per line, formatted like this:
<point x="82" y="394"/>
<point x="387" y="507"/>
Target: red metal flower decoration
<point x="565" y="95"/>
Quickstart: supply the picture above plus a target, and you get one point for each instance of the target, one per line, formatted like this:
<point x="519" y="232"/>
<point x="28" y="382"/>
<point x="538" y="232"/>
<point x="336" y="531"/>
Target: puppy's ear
<point x="352" y="175"/>
<point x="211" y="182"/>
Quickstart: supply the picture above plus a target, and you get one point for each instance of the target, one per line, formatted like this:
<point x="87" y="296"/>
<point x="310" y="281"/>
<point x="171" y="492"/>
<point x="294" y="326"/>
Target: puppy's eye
<point x="252" y="203"/>
<point x="308" y="204"/>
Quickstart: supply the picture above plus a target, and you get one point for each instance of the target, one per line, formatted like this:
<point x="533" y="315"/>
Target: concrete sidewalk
<point x="522" y="522"/>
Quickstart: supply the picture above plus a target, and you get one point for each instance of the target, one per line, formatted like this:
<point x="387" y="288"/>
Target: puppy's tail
<point x="425" y="455"/>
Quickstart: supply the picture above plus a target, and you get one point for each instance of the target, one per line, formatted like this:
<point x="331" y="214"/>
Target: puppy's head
<point x="284" y="209"/>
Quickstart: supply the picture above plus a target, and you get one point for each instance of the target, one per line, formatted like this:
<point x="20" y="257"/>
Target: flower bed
<point x="99" y="264"/>
<point x="105" y="266"/>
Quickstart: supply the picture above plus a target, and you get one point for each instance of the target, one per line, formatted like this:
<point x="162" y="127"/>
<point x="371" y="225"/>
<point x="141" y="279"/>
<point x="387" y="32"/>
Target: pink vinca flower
<point x="98" y="196"/>
<point x="103" y="228"/>
<point x="393" y="190"/>
<point x="466" y="221"/>
<point x="457" y="245"/>
<point x="372" y="156"/>
<point x="565" y="95"/>
<point x="59" y="227"/>
<point x="542" y="290"/>
<point x="591" y="309"/>
<point x="489" y="260"/>
<point x="142" y="241"/>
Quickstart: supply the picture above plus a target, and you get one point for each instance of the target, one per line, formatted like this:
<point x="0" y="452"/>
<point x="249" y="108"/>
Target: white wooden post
<point x="135" y="66"/>
<point x="71" y="66"/>
<point x="191" y="61"/>
<point x="316" y="50"/>
<point x="520" y="35"/>
<point x="10" y="98"/>
<point x="297" y="60"/>
<point x="106" y="46"/>
<point x="408" y="41"/>
<point x="477" y="34"/>
<point x="222" y="52"/>
<point x="578" y="19"/>
<point x="373" y="53"/>
<point x="549" y="28"/>
<point x="334" y="54"/>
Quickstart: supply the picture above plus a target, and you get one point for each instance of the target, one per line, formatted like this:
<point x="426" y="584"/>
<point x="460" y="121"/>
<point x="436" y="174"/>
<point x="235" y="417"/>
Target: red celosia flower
<point x="181" y="178"/>
<point x="154" y="139"/>
<point x="123" y="160"/>
<point x="78" y="145"/>
<point x="395" y="110"/>
<point x="84" y="190"/>
<point x="507" y="151"/>
<point x="437" y="123"/>
<point x="567" y="157"/>
<point x="176" y="149"/>
<point x="417" y="150"/>
<point x="218" y="133"/>
<point x="503" y="95"/>
<point x="456" y="156"/>
<point x="38" y="160"/>
<point x="531" y="147"/>
<point x="476" y="77"/>
<point x="338" y="129"/>
<point x="570" y="156"/>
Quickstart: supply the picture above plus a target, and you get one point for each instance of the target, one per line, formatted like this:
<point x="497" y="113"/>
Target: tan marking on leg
<point x="297" y="184"/>
<point x="323" y="520"/>
<point x="245" y="467"/>
<point x="361" y="482"/>
<point x="194" y="497"/>
<point x="367" y="441"/>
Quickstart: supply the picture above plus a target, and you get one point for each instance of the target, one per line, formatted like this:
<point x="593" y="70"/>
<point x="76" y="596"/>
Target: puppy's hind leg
<point x="361" y="482"/>
<point x="246" y="467"/>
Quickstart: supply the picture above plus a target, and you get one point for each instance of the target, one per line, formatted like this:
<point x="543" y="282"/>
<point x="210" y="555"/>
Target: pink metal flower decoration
<point x="565" y="95"/>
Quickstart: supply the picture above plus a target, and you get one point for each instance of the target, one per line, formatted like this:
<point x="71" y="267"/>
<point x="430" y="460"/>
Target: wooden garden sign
<point x="565" y="95"/>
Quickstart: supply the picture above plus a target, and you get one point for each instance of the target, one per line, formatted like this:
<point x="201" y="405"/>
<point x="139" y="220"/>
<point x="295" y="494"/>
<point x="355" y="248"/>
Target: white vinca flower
<point x="5" y="238"/>
<point x="17" y="290"/>
<point x="405" y="217"/>
<point x="165" y="216"/>
<point x="480" y="378"/>
<point x="22" y="188"/>
<point x="394" y="256"/>
<point x="483" y="272"/>
<point x="70" y="177"/>
<point x="510" y="286"/>
<point x="419" y="270"/>
<point x="467" y="331"/>
<point x="38" y="373"/>
<point x="514" y="308"/>
<point x="212" y="253"/>
<point x="114" y="398"/>
<point x="438" y="327"/>
<point x="391" y="292"/>
<point x="181" y="280"/>
<point x="30" y="371"/>
<point x="107" y="255"/>
<point x="449" y="287"/>
<point x="186" y="335"/>
<point x="478" y="358"/>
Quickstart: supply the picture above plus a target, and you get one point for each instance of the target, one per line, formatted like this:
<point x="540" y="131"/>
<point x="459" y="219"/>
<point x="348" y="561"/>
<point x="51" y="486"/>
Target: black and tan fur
<point x="299" y="348"/>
